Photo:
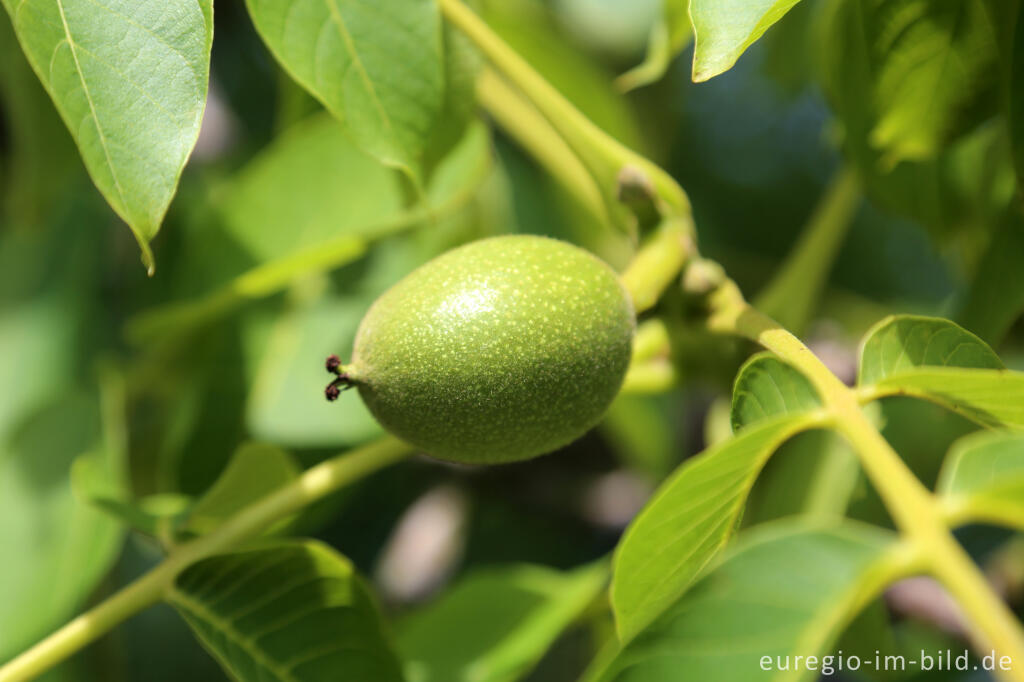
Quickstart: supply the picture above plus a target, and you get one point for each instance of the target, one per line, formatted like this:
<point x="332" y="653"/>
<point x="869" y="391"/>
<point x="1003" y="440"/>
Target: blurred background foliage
<point x="126" y="397"/>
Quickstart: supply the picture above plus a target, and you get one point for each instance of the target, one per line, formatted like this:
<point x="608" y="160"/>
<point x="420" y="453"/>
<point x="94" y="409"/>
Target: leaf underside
<point x="292" y="612"/>
<point x="936" y="360"/>
<point x="785" y="589"/>
<point x="688" y="521"/>
<point x="984" y="474"/>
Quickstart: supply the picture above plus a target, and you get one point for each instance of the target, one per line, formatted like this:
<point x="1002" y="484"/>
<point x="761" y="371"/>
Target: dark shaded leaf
<point x="289" y="612"/>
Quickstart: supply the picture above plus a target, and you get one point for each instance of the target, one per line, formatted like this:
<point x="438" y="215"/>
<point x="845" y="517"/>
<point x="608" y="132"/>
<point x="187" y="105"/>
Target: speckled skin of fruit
<point x="499" y="350"/>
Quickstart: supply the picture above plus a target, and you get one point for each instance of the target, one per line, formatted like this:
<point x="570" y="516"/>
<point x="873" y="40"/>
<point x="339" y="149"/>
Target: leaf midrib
<point x="346" y="38"/>
<point x="88" y="98"/>
<point x="824" y="626"/>
<point x="245" y="643"/>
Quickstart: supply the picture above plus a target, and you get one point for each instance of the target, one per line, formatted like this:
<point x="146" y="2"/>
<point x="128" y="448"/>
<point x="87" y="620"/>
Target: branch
<point x="316" y="483"/>
<point x="521" y="120"/>
<point x="914" y="509"/>
<point x="603" y="156"/>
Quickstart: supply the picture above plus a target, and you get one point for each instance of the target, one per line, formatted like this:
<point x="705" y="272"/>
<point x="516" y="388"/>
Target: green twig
<point x="914" y="509"/>
<point x="651" y="341"/>
<point x="658" y="262"/>
<point x="521" y="120"/>
<point x="603" y="156"/>
<point x="316" y="483"/>
<point x="657" y="376"/>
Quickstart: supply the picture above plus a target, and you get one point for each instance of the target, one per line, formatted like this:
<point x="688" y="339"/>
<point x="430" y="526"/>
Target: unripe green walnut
<point x="500" y="350"/>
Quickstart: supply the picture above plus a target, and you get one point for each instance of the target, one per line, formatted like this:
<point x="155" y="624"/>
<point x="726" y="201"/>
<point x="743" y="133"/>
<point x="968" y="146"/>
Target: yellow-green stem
<point x="648" y="378"/>
<point x="912" y="506"/>
<point x="658" y="262"/>
<point x="316" y="483"/>
<point x="651" y="341"/>
<point x="602" y="155"/>
<point x="521" y="120"/>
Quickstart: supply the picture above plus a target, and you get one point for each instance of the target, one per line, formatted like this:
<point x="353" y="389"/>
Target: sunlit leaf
<point x="695" y="511"/>
<point x="967" y="179"/>
<point x="724" y="29"/>
<point x="933" y="59"/>
<point x="983" y="479"/>
<point x="784" y="590"/>
<point x="936" y="360"/>
<point x="496" y="624"/>
<point x="378" y="67"/>
<point x="905" y="342"/>
<point x="767" y="387"/>
<point x="689" y="519"/>
<point x="992" y="398"/>
<point x="909" y="75"/>
<point x="129" y="78"/>
<point x="291" y="612"/>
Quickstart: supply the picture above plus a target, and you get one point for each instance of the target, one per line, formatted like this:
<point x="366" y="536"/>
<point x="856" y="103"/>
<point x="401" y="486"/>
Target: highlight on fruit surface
<point x="497" y="351"/>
